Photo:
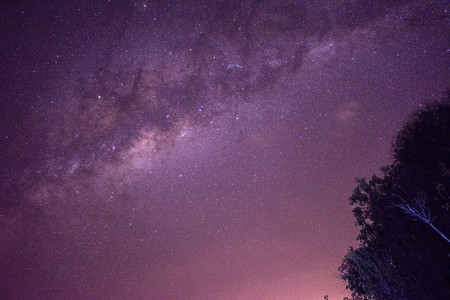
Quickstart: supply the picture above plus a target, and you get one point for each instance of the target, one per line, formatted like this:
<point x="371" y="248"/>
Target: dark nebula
<point x="199" y="149"/>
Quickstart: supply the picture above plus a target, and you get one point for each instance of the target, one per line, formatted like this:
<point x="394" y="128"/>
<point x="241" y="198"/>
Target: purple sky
<point x="199" y="149"/>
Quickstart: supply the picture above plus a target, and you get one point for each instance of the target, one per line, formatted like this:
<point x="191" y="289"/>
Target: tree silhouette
<point x="398" y="257"/>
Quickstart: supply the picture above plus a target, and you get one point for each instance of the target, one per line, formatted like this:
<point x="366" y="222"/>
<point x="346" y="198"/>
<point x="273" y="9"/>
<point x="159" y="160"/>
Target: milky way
<point x="199" y="149"/>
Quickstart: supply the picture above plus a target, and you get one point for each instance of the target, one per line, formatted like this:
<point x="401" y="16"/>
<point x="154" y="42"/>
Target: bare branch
<point x="419" y="211"/>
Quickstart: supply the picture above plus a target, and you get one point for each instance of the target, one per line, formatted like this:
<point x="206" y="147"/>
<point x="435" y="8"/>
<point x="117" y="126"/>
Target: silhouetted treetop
<point x="404" y="216"/>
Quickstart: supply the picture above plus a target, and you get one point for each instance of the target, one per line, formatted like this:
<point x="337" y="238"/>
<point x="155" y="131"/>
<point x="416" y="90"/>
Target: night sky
<point x="199" y="149"/>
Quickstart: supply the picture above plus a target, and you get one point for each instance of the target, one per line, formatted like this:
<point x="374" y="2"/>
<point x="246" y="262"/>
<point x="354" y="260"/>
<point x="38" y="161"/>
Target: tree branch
<point x="419" y="211"/>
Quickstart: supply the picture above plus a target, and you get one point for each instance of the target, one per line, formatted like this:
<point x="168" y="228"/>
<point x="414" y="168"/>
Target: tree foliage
<point x="404" y="216"/>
